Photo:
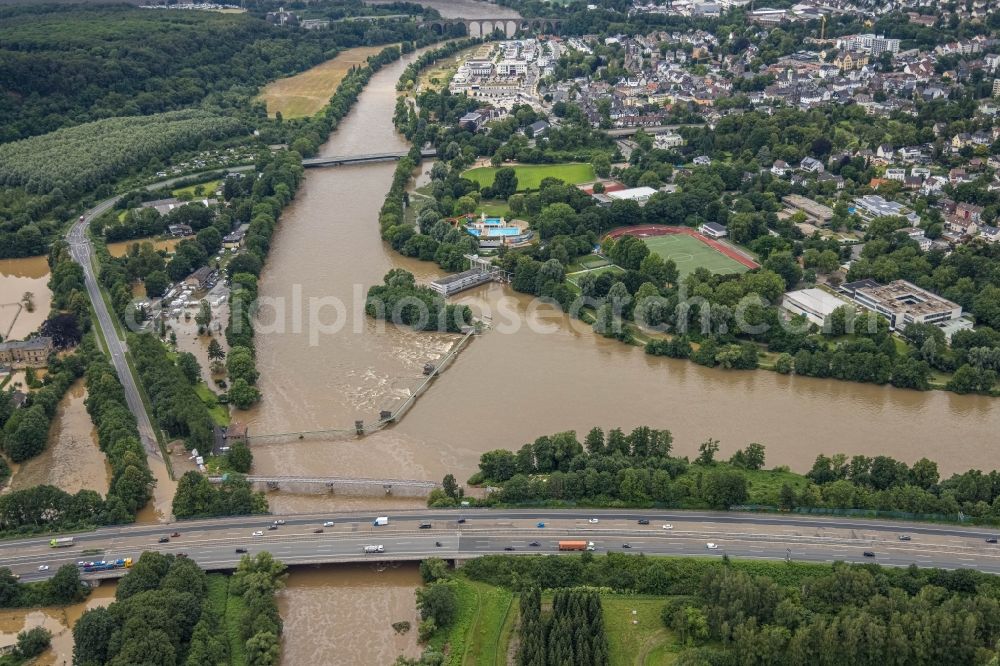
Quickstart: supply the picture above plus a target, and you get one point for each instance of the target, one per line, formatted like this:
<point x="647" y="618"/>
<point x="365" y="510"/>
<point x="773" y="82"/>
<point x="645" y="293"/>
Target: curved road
<point x="213" y="543"/>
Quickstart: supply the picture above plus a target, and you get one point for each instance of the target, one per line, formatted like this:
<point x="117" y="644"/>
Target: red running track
<point x="663" y="230"/>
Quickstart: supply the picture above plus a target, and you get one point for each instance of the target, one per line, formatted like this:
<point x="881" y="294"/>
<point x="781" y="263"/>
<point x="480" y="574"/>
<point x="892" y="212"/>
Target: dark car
<point x="869" y="553"/>
<point x="904" y="537"/>
<point x="991" y="540"/>
<point x="318" y="531"/>
<point x="626" y="545"/>
<point x="643" y="521"/>
<point x="241" y="550"/>
<point x="534" y="544"/>
<point x="272" y="527"/>
<point x="508" y="548"/>
<point x="164" y="540"/>
<point x="437" y="543"/>
<point x="181" y="554"/>
<point x="461" y="520"/>
<point x="425" y="526"/>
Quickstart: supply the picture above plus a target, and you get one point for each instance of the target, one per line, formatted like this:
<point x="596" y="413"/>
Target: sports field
<point x="530" y="176"/>
<point x="689" y="253"/>
<point x="304" y="94"/>
<point x="574" y="278"/>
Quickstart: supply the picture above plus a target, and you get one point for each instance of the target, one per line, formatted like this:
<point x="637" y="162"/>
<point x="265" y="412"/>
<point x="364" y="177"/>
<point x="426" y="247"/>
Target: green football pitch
<point x="690" y="253"/>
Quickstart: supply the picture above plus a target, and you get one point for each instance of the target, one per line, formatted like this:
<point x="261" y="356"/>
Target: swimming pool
<point x="493" y="221"/>
<point x="498" y="231"/>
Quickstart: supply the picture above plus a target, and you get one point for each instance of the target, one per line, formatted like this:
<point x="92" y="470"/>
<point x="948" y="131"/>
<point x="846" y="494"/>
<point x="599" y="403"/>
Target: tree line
<point x="197" y="497"/>
<point x="572" y="633"/>
<point x="639" y="469"/>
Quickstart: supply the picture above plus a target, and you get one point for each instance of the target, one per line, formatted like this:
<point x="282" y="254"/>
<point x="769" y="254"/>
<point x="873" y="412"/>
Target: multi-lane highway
<point x="214" y="543"/>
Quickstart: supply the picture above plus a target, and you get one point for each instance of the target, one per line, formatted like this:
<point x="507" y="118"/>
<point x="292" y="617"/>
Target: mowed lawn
<point x="690" y="253"/>
<point x="638" y="638"/>
<point x="530" y="176"/>
<point x="305" y="94"/>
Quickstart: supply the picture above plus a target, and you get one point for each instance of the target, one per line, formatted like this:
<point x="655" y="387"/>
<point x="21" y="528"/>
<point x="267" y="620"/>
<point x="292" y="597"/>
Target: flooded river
<point x="72" y="460"/>
<point x="520" y="381"/>
<point x="344" y="615"/>
<point x="58" y="620"/>
<point x="18" y="277"/>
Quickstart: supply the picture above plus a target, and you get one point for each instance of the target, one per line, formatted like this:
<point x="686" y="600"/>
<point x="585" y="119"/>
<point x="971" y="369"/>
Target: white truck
<point x="374" y="549"/>
<point x="381" y="521"/>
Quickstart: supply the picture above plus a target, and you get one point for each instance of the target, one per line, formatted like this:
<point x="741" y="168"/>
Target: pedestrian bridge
<point x="339" y="160"/>
<point x="342" y="485"/>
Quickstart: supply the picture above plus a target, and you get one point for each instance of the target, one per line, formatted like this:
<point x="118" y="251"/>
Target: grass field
<point x="639" y="639"/>
<point x="219" y="413"/>
<point x="573" y="278"/>
<point x="494" y="208"/>
<point x="530" y="176"/>
<point x="304" y="94"/>
<point x="207" y="189"/>
<point x="690" y="253"/>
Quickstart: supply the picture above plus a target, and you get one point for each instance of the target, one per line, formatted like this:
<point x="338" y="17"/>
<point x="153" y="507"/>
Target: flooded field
<point x="59" y="621"/>
<point x="19" y="277"/>
<point x="343" y="615"/>
<point x="120" y="249"/>
<point x="72" y="460"/>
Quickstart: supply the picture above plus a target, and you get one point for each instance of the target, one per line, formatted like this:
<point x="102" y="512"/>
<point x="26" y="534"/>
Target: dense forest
<point x="572" y="633"/>
<point x="639" y="469"/>
<point x="399" y="300"/>
<point x="749" y="613"/>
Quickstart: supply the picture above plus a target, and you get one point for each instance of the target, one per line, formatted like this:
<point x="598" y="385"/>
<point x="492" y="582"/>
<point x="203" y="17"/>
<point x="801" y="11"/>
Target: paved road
<point x="81" y="251"/>
<point x="213" y="543"/>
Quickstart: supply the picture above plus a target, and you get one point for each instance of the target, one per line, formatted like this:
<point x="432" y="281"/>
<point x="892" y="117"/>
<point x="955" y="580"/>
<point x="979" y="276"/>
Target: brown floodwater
<point x="120" y="249"/>
<point x="59" y="620"/>
<point x="72" y="460"/>
<point x="18" y="277"/>
<point x="534" y="373"/>
<point x="343" y="615"/>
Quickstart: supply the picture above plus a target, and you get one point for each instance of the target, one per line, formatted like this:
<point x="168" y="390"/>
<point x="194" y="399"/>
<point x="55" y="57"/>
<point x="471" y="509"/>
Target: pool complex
<point x="495" y="231"/>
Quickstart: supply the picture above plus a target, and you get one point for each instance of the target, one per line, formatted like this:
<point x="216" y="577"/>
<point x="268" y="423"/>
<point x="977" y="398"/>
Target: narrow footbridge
<point x="346" y="485"/>
<point x="340" y="160"/>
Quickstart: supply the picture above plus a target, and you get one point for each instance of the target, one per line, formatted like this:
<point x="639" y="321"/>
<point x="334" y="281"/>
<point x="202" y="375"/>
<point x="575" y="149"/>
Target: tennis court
<point x="689" y="253"/>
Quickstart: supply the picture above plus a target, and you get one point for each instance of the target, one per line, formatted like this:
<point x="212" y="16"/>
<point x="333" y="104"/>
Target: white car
<point x="328" y="523"/>
<point x="43" y="567"/>
<point x="258" y="533"/>
<point x="712" y="546"/>
<point x="593" y="521"/>
<point x="279" y="522"/>
<point x="668" y="526"/>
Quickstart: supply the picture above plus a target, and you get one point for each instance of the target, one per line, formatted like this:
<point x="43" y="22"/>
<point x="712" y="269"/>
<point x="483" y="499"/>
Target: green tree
<point x="156" y="284"/>
<point x="215" y="351"/>
<point x="240" y="458"/>
<point x="189" y="365"/>
<point x="67" y="586"/>
<point x="439" y="602"/>
<point x="504" y="183"/>
<point x="33" y="642"/>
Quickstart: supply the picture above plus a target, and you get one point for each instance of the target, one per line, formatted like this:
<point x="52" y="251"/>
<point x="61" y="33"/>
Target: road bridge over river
<point x="340" y="160"/>
<point x="213" y="543"/>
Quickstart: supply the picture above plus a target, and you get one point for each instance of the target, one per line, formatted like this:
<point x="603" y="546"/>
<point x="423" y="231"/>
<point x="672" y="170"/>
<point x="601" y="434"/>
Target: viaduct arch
<point x="483" y="27"/>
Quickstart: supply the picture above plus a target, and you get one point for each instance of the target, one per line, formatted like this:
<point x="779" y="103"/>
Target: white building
<point x="713" y="230"/>
<point x="815" y="304"/>
<point x="903" y="303"/>
<point x="640" y="194"/>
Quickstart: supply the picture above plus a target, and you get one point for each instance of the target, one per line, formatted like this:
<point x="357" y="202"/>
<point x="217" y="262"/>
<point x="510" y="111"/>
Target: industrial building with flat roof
<point x="902" y="302"/>
<point x="815" y="304"/>
<point x="817" y="211"/>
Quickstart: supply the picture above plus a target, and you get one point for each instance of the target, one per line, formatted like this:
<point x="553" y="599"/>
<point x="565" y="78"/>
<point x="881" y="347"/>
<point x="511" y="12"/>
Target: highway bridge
<point x="335" y="484"/>
<point x="213" y="543"/>
<point x="340" y="160"/>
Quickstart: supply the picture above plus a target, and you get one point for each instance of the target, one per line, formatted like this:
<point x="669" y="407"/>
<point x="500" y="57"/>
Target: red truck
<point x="576" y="545"/>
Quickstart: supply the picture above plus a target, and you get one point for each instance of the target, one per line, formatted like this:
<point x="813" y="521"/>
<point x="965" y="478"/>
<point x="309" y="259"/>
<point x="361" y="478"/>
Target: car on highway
<point x="328" y="523"/>
<point x="163" y="540"/>
<point x="272" y="527"/>
<point x="668" y="526"/>
<point x="175" y="535"/>
<point x="869" y="553"/>
<point x="712" y="546"/>
<point x="279" y="522"/>
<point x="318" y="530"/>
<point x="508" y="547"/>
<point x="182" y="555"/>
<point x="43" y="567"/>
<point x="626" y="545"/>
<point x="241" y="550"/>
<point x="461" y="521"/>
<point x="904" y="537"/>
<point x="534" y="544"/>
<point x="539" y="524"/>
<point x="991" y="540"/>
<point x="425" y="526"/>
<point x="258" y="533"/>
<point x="643" y="521"/>
<point x="437" y="543"/>
<point x="594" y="521"/>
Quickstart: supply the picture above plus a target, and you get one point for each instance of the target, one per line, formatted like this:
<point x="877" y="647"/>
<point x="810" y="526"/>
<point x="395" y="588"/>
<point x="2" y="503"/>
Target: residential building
<point x="872" y="205"/>
<point x="815" y="304"/>
<point x="200" y="278"/>
<point x="996" y="87"/>
<point x="811" y="164"/>
<point x="779" y="168"/>
<point x="34" y="352"/>
<point x="896" y="174"/>
<point x="903" y="303"/>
